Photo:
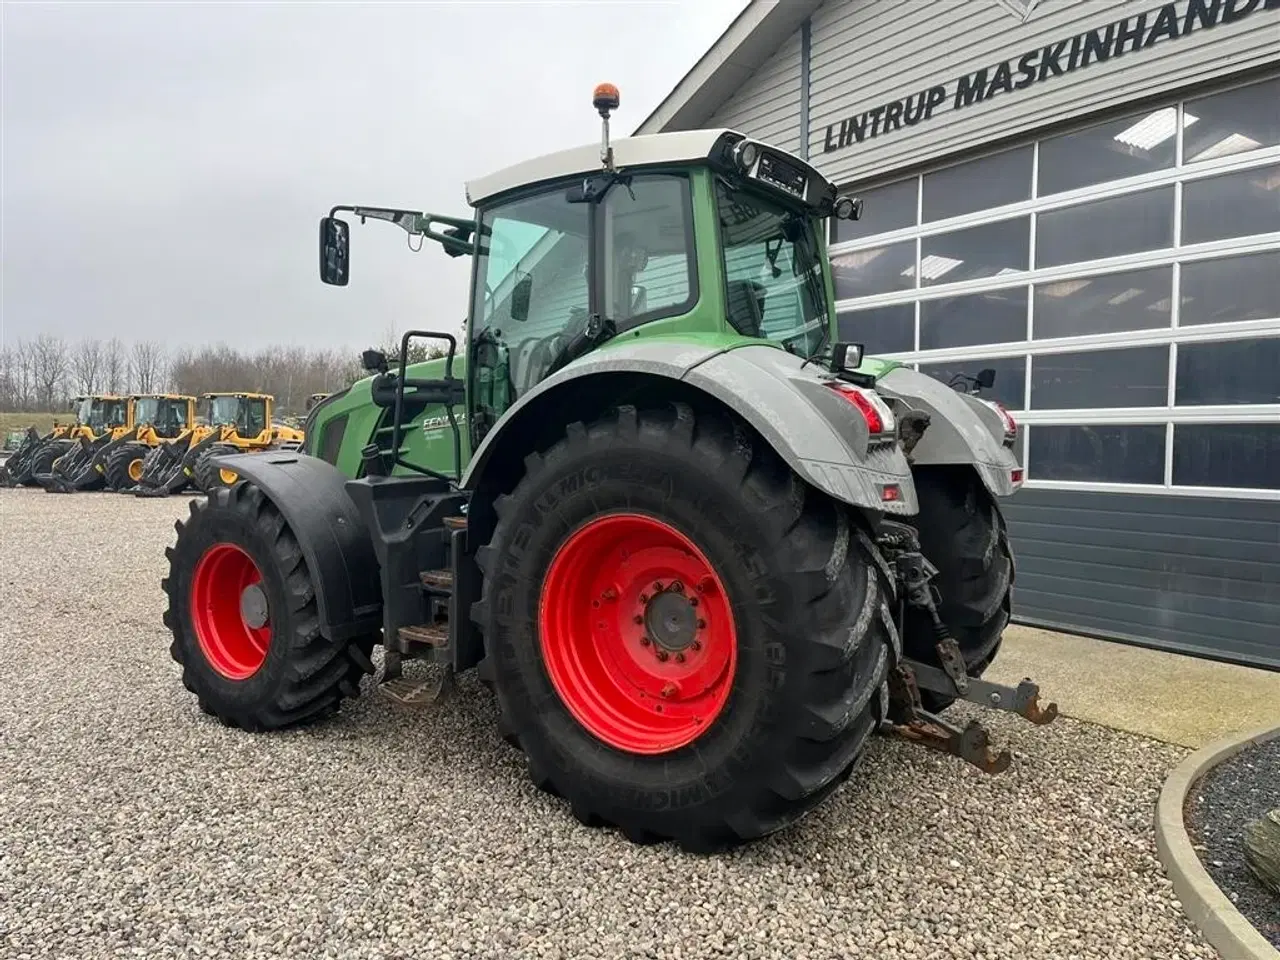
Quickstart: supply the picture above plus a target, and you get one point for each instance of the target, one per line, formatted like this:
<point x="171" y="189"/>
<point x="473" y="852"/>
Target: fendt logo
<point x="1022" y="9"/>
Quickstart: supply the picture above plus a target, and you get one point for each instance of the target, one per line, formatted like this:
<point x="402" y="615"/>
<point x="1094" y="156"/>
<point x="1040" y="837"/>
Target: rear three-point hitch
<point x="907" y="718"/>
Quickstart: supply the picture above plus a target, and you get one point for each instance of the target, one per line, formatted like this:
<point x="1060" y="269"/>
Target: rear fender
<point x="819" y="434"/>
<point x="335" y="541"/>
<point x="962" y="429"/>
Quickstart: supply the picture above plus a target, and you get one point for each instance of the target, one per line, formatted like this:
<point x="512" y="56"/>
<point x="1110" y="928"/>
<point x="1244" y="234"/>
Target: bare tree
<point x="49" y="354"/>
<point x="115" y="367"/>
<point x="147" y="365"/>
<point x="9" y="399"/>
<point x="86" y="365"/>
<point x="26" y="374"/>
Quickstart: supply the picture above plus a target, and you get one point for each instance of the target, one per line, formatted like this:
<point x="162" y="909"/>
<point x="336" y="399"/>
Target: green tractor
<point x="699" y="550"/>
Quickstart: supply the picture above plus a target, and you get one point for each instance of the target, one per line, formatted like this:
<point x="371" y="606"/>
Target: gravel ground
<point x="133" y="825"/>
<point x="1236" y="791"/>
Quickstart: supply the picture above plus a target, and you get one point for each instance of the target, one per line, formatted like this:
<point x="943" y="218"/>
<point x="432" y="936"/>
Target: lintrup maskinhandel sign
<point x="1133" y="34"/>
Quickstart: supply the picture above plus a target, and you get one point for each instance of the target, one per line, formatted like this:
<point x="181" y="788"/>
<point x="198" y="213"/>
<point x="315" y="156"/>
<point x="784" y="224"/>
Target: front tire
<point x="123" y="468"/>
<point x="243" y="616"/>
<point x="962" y="533"/>
<point x="709" y="746"/>
<point x="208" y="475"/>
<point x="44" y="459"/>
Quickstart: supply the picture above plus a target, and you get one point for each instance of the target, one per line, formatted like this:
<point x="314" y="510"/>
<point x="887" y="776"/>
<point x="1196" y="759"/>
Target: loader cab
<point x="103" y="413"/>
<point x="248" y="413"/>
<point x="167" y="414"/>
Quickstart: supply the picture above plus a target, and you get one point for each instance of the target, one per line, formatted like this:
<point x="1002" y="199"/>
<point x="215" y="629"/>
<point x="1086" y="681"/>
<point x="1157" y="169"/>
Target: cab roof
<point x="684" y="146"/>
<point x="245" y="396"/>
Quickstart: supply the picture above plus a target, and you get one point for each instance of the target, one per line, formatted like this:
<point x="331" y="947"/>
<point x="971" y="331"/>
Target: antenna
<point x="605" y="99"/>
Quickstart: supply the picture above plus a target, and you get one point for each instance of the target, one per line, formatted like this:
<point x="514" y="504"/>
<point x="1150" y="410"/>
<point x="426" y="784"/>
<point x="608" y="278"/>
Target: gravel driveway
<point x="133" y="825"/>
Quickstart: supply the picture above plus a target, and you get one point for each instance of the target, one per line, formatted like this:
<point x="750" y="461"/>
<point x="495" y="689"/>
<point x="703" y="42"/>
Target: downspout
<point x="804" y="89"/>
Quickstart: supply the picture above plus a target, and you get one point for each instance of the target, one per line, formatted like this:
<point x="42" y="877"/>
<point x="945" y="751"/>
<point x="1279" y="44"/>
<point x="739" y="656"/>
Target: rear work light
<point x="875" y="412"/>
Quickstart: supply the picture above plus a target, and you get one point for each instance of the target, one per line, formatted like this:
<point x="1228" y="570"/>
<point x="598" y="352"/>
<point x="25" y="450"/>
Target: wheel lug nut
<point x="657" y="586"/>
<point x="679" y="658"/>
<point x="702" y="624"/>
<point x="637" y="619"/>
<point x="644" y="641"/>
<point x="644" y="598"/>
<point x="695" y="645"/>
<point x="693" y="601"/>
<point x="677" y="586"/>
<point x="663" y="655"/>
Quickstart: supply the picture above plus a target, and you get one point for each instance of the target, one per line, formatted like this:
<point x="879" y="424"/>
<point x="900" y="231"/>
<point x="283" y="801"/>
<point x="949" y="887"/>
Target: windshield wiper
<point x="594" y="330"/>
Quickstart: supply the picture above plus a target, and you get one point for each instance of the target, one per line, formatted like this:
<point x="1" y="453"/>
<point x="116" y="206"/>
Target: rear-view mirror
<point x="986" y="378"/>
<point x="520" y="297"/>
<point x="335" y="251"/>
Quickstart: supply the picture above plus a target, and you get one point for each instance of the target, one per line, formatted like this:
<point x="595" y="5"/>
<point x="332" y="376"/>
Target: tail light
<point x="1010" y="424"/>
<point x="875" y="412"/>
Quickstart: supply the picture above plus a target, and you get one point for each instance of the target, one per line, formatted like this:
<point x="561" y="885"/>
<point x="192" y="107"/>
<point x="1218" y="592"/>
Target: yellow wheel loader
<point x="244" y="424"/>
<point x="227" y="423"/>
<point x="159" y="419"/>
<point x="67" y="463"/>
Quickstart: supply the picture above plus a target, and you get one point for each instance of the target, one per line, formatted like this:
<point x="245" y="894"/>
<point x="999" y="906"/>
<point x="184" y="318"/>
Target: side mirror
<point x="986" y="378"/>
<point x="520" y="297"/>
<point x="375" y="361"/>
<point x="846" y="356"/>
<point x="335" y="251"/>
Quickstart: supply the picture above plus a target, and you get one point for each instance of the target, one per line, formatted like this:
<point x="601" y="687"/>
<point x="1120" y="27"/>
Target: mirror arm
<point x="455" y="241"/>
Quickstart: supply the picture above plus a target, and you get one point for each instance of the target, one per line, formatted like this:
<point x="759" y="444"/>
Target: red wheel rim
<point x="637" y="634"/>
<point x="230" y="619"/>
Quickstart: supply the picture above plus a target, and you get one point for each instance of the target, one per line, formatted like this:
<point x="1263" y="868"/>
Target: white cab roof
<point x="681" y="147"/>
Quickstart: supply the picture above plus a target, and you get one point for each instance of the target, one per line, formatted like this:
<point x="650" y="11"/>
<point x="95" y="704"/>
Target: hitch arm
<point x="1023" y="700"/>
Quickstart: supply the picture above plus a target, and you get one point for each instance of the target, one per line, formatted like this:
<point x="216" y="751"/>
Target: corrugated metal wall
<point x="768" y="105"/>
<point x="1188" y="573"/>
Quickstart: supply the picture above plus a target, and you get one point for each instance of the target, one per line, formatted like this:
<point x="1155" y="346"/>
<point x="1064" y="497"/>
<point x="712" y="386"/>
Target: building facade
<point x="1083" y="196"/>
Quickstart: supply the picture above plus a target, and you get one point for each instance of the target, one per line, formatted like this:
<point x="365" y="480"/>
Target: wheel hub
<point x="671" y="622"/>
<point x="253" y="606"/>
<point x="637" y="633"/>
<point x="229" y="611"/>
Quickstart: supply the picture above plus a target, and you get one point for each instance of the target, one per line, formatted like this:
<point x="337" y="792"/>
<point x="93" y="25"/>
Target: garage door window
<point x="1122" y="278"/>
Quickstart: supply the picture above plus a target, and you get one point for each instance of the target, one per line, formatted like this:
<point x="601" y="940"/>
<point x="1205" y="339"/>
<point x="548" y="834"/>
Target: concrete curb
<point x="1222" y="924"/>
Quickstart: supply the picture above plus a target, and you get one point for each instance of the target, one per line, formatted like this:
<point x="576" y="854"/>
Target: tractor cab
<point x="706" y="233"/>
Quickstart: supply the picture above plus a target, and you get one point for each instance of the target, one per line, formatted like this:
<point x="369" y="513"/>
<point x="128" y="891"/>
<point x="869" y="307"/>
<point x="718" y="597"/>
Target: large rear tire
<point x="962" y="533"/>
<point x="649" y="533"/>
<point x="242" y="612"/>
<point x="123" y="468"/>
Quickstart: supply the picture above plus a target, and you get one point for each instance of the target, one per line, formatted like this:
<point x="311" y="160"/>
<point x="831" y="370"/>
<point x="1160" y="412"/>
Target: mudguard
<point x="819" y="434"/>
<point x="335" y="541"/>
<point x="962" y="429"/>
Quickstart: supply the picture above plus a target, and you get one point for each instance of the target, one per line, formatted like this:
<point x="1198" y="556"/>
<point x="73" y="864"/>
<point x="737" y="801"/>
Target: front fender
<point x="962" y="429"/>
<point x="336" y="544"/>
<point x="818" y="434"/>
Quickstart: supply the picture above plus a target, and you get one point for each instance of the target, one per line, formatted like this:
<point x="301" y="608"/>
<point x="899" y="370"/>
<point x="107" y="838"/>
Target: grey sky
<point x="165" y="165"/>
